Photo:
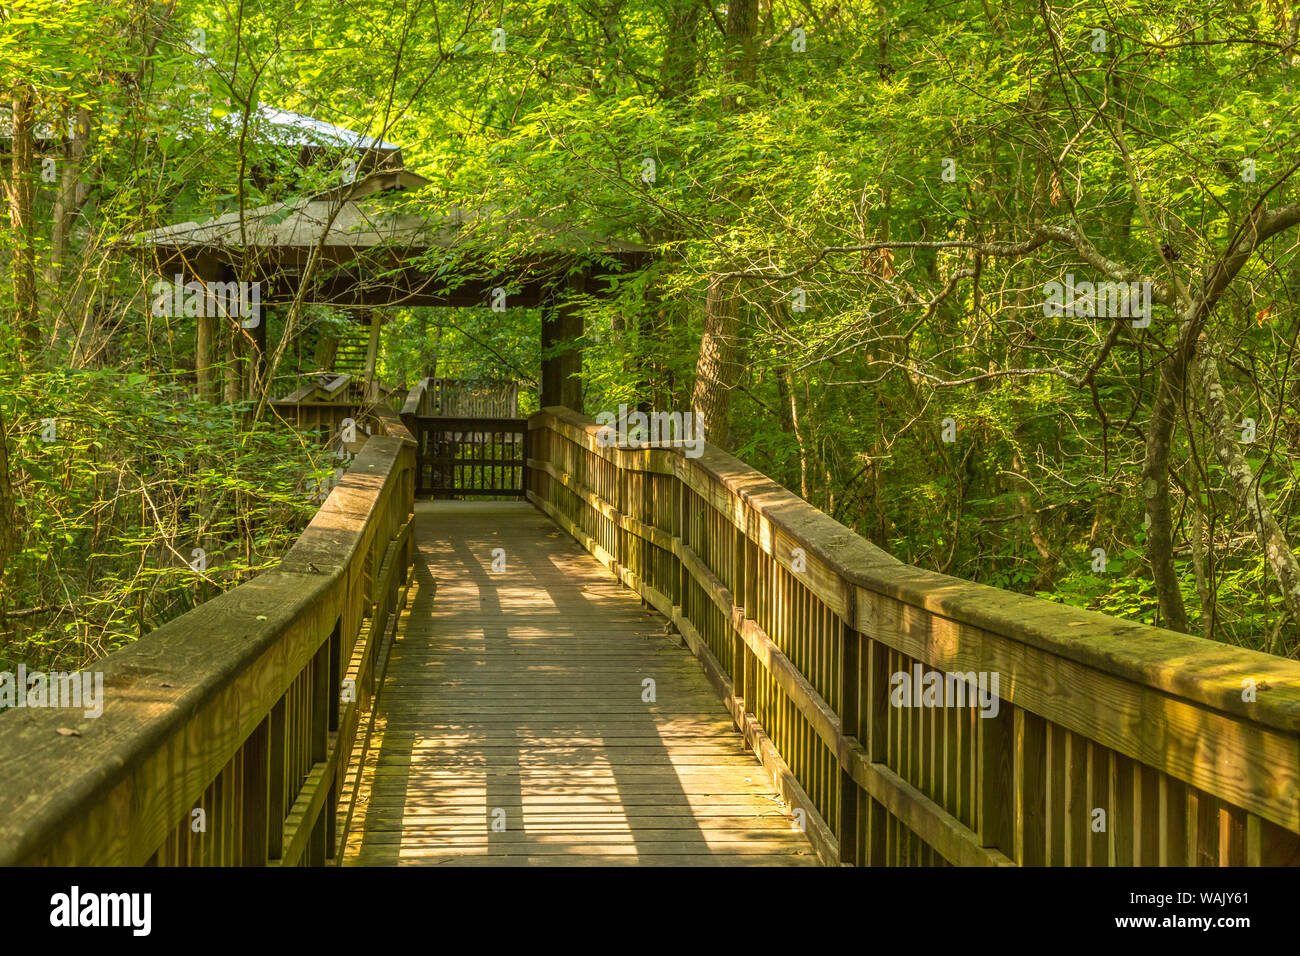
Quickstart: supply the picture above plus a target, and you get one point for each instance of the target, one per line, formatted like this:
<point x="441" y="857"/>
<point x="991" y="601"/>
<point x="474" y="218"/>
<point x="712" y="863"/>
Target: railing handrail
<point x="414" y="404"/>
<point x="867" y="566"/>
<point x="1196" y="684"/>
<point x="185" y="698"/>
<point x="469" y="421"/>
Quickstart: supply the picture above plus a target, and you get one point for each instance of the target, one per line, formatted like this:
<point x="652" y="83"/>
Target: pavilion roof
<point x="361" y="215"/>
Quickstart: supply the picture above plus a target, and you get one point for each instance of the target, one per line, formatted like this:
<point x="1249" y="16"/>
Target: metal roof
<point x="295" y="129"/>
<point x="268" y="123"/>
<point x="357" y="220"/>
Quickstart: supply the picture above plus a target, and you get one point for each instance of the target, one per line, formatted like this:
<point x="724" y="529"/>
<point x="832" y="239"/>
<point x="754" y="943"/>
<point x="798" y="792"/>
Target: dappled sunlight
<point x="518" y="727"/>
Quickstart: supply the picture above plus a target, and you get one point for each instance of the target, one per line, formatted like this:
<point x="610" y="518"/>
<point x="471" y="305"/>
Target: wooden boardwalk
<point x="511" y="727"/>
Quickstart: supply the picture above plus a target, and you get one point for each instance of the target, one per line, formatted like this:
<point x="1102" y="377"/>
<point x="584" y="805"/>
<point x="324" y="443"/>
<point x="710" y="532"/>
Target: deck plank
<point x="515" y="696"/>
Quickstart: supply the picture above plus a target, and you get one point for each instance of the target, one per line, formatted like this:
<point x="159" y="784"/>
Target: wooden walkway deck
<point x="511" y="727"/>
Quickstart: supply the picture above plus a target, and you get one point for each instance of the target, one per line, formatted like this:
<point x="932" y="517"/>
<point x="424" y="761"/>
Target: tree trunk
<point x="680" y="63"/>
<point x="23" y="267"/>
<point x="1155" y="493"/>
<point x="791" y="422"/>
<point x="71" y="197"/>
<point x="716" y="370"/>
<point x="1048" y="561"/>
<point x="8" y="516"/>
<point x="1200" y="555"/>
<point x="1246" y="491"/>
<point x="1261" y="226"/>
<point x="742" y="61"/>
<point x="233" y="366"/>
<point x="718" y="364"/>
<point x="258" y="380"/>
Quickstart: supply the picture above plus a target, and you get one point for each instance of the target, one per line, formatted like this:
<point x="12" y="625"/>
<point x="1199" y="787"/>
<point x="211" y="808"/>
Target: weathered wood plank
<point x="178" y="712"/>
<point x="1097" y="715"/>
<point x="563" y="747"/>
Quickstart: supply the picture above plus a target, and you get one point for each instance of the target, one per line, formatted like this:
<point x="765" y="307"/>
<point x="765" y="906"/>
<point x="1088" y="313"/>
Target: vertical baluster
<point x="256" y="796"/>
<point x="1030" y="788"/>
<point x="1146" y="816"/>
<point x="1202" y="828"/>
<point x="1055" y="793"/>
<point x="850" y="711"/>
<point x="1173" y="822"/>
<point x="1119" y="823"/>
<point x="738" y="593"/>
<point x="1077" y="813"/>
<point x="875" y="728"/>
<point x="275" y="789"/>
<point x="1098" y="773"/>
<point x="995" y="822"/>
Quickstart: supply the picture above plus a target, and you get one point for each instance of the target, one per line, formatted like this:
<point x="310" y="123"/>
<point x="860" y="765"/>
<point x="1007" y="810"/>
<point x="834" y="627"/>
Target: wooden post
<point x="850" y="720"/>
<point x="683" y="532"/>
<point x="562" y="329"/>
<point x="277" y="755"/>
<point x="526" y="479"/>
<point x="327" y="346"/>
<point x="739" y="540"/>
<point x="620" y="502"/>
<point x="372" y="353"/>
<point x="206" y="329"/>
<point x="205" y="352"/>
<point x="256" y="783"/>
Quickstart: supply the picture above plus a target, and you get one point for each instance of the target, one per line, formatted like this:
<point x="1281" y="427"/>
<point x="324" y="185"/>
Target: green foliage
<point x="137" y="476"/>
<point x="822" y="173"/>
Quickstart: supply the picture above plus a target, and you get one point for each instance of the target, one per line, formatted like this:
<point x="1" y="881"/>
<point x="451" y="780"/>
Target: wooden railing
<point x="458" y="398"/>
<point x="461" y="457"/>
<point x="418" y="402"/>
<point x="1105" y="742"/>
<point x="324" y="402"/>
<point x="471" y="457"/>
<point x="226" y="734"/>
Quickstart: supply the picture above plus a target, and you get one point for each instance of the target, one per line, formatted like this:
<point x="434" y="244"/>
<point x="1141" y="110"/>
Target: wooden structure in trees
<point x="463" y="449"/>
<point x="461" y="398"/>
<point x="325" y="399"/>
<point x="806" y="633"/>
<point x="384" y="241"/>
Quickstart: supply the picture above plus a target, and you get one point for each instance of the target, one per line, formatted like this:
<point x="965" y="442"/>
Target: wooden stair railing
<point x="1111" y="743"/>
<point x="350" y="351"/>
<point x="226" y="734"/>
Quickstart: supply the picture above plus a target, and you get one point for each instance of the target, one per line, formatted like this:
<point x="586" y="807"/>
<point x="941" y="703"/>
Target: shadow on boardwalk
<point x="512" y="728"/>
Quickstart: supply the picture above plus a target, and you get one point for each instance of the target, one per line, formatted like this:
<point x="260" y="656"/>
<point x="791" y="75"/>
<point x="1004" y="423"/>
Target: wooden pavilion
<point x="386" y="239"/>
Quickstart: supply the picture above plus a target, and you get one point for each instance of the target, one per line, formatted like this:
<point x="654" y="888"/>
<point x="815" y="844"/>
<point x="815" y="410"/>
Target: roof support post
<point x="372" y="353"/>
<point x="259" y="364"/>
<point x="258" y="383"/>
<point x="206" y="338"/>
<point x="562" y="331"/>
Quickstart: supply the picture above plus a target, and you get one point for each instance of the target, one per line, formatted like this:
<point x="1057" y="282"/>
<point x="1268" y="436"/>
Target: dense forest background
<point x="857" y="210"/>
